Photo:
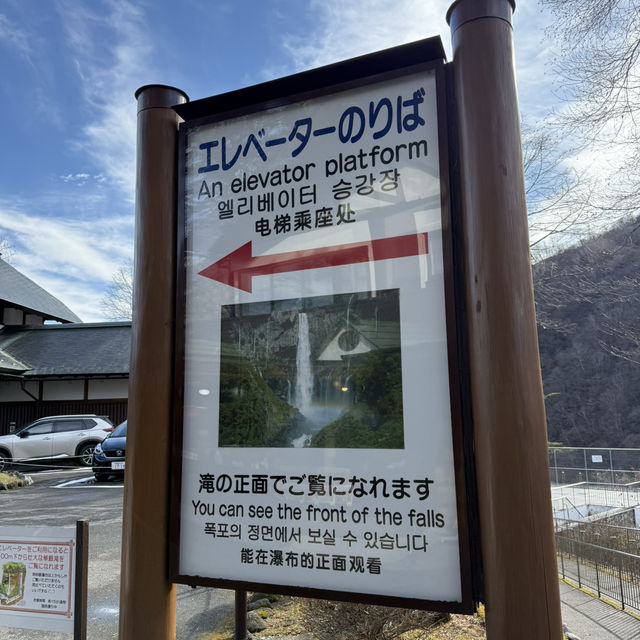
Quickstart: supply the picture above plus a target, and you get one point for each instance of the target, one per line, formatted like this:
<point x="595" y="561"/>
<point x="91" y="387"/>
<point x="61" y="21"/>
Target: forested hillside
<point x="588" y="308"/>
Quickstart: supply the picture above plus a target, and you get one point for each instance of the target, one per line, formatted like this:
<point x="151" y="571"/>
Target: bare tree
<point x="599" y="55"/>
<point x="558" y="199"/>
<point x="587" y="302"/>
<point x="117" y="302"/>
<point x="599" y="64"/>
<point x="6" y="249"/>
<point x="600" y="278"/>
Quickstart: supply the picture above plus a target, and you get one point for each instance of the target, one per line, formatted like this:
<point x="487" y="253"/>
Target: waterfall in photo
<point x="320" y="408"/>
<point x="304" y="377"/>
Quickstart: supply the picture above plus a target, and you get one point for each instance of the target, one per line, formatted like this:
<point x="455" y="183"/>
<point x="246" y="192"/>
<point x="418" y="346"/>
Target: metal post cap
<point x="155" y="96"/>
<point x="463" y="11"/>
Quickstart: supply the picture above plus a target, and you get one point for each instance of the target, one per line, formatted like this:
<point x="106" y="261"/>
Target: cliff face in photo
<point x="251" y="415"/>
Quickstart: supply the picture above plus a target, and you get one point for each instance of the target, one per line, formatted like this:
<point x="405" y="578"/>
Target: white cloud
<point x="72" y="236"/>
<point x="348" y="29"/>
<point x="534" y="54"/>
<point x="83" y="298"/>
<point x="73" y="259"/>
<point x="18" y="39"/>
<point x="110" y="77"/>
<point x="75" y="178"/>
<point x="75" y="254"/>
<point x="81" y="249"/>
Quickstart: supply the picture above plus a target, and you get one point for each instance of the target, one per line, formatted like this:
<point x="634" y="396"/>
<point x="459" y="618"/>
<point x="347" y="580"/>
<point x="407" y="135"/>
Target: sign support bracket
<point x="81" y="576"/>
<point x="241" y="615"/>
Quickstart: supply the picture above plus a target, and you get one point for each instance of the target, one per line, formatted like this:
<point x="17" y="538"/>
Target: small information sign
<point x="37" y="585"/>
<point x="318" y="428"/>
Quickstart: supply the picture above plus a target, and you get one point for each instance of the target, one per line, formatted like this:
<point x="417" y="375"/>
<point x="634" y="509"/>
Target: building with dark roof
<point x="66" y="367"/>
<point x="23" y="302"/>
<point x="57" y="369"/>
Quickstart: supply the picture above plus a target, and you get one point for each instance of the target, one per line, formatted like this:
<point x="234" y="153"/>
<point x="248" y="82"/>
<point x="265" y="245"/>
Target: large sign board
<point x="37" y="578"/>
<point x="319" y="449"/>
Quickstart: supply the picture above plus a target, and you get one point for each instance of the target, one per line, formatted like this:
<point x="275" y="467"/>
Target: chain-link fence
<point x="568" y="465"/>
<point x="586" y="499"/>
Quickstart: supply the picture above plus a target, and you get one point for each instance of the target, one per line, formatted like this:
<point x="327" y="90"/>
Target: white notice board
<point x="37" y="577"/>
<point x="317" y="448"/>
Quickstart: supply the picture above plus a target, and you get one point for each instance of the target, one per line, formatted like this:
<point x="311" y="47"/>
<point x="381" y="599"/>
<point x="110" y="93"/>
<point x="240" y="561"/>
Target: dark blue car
<point x="109" y="455"/>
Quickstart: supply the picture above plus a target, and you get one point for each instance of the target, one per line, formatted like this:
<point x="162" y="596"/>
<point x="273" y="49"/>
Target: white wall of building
<point x="112" y="388"/>
<point x="11" y="392"/>
<point x="63" y="390"/>
<point x="105" y="389"/>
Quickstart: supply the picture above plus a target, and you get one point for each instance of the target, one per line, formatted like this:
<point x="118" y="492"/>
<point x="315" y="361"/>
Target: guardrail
<point x="609" y="573"/>
<point x="601" y="534"/>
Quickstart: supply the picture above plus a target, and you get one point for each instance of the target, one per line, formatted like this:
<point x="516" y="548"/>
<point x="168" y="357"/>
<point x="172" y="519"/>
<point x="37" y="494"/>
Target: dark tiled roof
<point x="69" y="349"/>
<point x="19" y="291"/>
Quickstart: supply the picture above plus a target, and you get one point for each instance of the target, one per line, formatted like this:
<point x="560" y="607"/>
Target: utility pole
<point x="518" y="551"/>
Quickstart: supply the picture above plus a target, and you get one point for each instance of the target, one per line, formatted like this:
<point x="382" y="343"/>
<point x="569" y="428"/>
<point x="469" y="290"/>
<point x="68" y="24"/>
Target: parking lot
<point x="61" y="496"/>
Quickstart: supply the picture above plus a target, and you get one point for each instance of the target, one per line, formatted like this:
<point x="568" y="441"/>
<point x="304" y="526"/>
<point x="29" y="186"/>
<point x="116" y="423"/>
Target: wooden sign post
<point x="147" y="597"/>
<point x="518" y="552"/>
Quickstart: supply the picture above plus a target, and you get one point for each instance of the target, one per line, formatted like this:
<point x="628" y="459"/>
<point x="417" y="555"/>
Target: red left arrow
<point x="240" y="266"/>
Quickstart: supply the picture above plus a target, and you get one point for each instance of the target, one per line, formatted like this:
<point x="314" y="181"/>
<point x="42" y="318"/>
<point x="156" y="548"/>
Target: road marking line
<point x="89" y="486"/>
<point x="86" y="483"/>
<point x="71" y="482"/>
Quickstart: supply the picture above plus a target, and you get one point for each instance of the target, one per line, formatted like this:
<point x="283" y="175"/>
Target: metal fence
<point x="568" y="465"/>
<point x="582" y="499"/>
<point x="597" y="540"/>
<point x="602" y="534"/>
<point x="612" y="574"/>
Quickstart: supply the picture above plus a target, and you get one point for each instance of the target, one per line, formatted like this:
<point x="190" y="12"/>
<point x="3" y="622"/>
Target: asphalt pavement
<point x="588" y="618"/>
<point x="60" y="498"/>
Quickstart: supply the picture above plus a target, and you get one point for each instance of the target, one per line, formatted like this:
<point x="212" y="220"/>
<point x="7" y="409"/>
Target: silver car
<point x="55" y="437"/>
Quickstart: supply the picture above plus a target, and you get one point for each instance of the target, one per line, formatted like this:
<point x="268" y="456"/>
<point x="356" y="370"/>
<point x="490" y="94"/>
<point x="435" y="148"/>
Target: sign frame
<point x="424" y="55"/>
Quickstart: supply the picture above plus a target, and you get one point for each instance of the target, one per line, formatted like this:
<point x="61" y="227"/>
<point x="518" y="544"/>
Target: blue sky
<point x="69" y="70"/>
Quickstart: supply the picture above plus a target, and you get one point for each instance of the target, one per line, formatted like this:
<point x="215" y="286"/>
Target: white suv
<point x="55" y="437"/>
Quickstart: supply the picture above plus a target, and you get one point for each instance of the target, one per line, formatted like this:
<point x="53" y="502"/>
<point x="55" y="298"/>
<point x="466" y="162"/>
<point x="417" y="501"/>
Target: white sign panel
<point x="37" y="578"/>
<point x="317" y="433"/>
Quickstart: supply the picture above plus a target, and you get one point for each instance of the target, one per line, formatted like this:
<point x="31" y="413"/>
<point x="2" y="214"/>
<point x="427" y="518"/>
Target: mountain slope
<point x="588" y="308"/>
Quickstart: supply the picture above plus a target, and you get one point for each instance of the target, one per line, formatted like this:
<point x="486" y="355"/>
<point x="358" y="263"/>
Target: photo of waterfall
<point x="322" y="371"/>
